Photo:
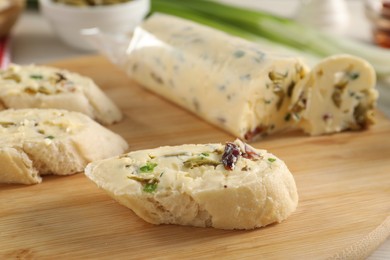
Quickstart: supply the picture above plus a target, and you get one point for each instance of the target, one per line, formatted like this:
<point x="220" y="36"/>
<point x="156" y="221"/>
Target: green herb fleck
<point x="49" y="137"/>
<point x="239" y="54"/>
<point x="353" y="75"/>
<point x="205" y="154"/>
<point x="149" y="167"/>
<point x="36" y="76"/>
<point x="150" y="187"/>
<point x="271" y="160"/>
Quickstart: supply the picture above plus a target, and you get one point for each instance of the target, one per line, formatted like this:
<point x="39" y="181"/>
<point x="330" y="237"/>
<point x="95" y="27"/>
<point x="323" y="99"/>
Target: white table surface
<point x="33" y="41"/>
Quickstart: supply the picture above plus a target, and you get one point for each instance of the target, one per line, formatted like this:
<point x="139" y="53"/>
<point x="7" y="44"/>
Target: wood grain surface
<point x="343" y="181"/>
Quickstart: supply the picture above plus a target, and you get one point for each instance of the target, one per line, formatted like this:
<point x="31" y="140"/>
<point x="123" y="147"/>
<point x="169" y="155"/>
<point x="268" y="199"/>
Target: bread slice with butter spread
<point x="34" y="142"/>
<point x="226" y="186"/>
<point x="48" y="87"/>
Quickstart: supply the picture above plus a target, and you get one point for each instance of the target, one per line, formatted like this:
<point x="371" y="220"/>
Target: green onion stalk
<point x="268" y="29"/>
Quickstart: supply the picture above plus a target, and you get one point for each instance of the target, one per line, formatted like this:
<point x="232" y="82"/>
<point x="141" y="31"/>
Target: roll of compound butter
<point x="230" y="82"/>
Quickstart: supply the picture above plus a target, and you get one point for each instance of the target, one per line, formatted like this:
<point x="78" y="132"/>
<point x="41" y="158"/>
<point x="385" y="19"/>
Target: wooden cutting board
<point x="343" y="181"/>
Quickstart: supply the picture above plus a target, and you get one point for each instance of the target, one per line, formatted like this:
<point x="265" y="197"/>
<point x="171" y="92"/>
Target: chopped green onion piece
<point x="50" y="137"/>
<point x="205" y="154"/>
<point x="271" y="159"/>
<point x="150" y="187"/>
<point x="149" y="167"/>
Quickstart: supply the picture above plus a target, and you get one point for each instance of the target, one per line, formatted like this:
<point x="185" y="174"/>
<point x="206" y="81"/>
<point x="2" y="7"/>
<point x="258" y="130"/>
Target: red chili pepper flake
<point x="251" y="134"/>
<point x="250" y="153"/>
<point x="230" y="156"/>
<point x="326" y="117"/>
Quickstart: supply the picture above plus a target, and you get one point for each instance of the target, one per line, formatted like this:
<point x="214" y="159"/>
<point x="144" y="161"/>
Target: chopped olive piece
<point x="149" y="184"/>
<point x="363" y="117"/>
<point x="336" y="96"/>
<point x="13" y="77"/>
<point x="199" y="161"/>
<point x="156" y="78"/>
<point x="44" y="90"/>
<point x="60" y="77"/>
<point x="34" y="76"/>
<point x="175" y="154"/>
<point x="287" y="117"/>
<point x="7" y="124"/>
<point x="353" y="75"/>
<point x="280" y="93"/>
<point x="30" y="90"/>
<point x="290" y="88"/>
<point x="276" y="76"/>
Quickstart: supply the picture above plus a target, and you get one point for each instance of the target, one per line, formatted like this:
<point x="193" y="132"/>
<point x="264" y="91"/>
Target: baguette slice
<point x="232" y="186"/>
<point x="47" y="87"/>
<point x="35" y="142"/>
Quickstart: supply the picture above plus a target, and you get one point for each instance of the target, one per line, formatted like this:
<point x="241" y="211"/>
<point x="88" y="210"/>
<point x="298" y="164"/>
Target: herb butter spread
<point x="231" y="186"/>
<point x="230" y="82"/>
<point x="338" y="94"/>
<point x="47" y="87"/>
<point x="245" y="89"/>
<point x="35" y="142"/>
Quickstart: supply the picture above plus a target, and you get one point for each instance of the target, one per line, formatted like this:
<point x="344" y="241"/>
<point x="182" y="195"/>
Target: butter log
<point x="230" y="82"/>
<point x="226" y="186"/>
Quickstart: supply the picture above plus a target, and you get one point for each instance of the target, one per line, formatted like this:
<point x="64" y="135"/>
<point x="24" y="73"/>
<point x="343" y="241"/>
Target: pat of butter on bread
<point x="48" y="87"/>
<point x="232" y="186"/>
<point x="35" y="142"/>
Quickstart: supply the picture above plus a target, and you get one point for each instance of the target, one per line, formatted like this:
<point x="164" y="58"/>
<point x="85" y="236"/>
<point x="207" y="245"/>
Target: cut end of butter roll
<point x="231" y="186"/>
<point x="230" y="82"/>
<point x="338" y="94"/>
<point x="34" y="142"/>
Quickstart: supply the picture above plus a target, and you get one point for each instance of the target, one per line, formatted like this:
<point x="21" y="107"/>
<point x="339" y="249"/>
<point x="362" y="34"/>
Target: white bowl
<point x="68" y="21"/>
